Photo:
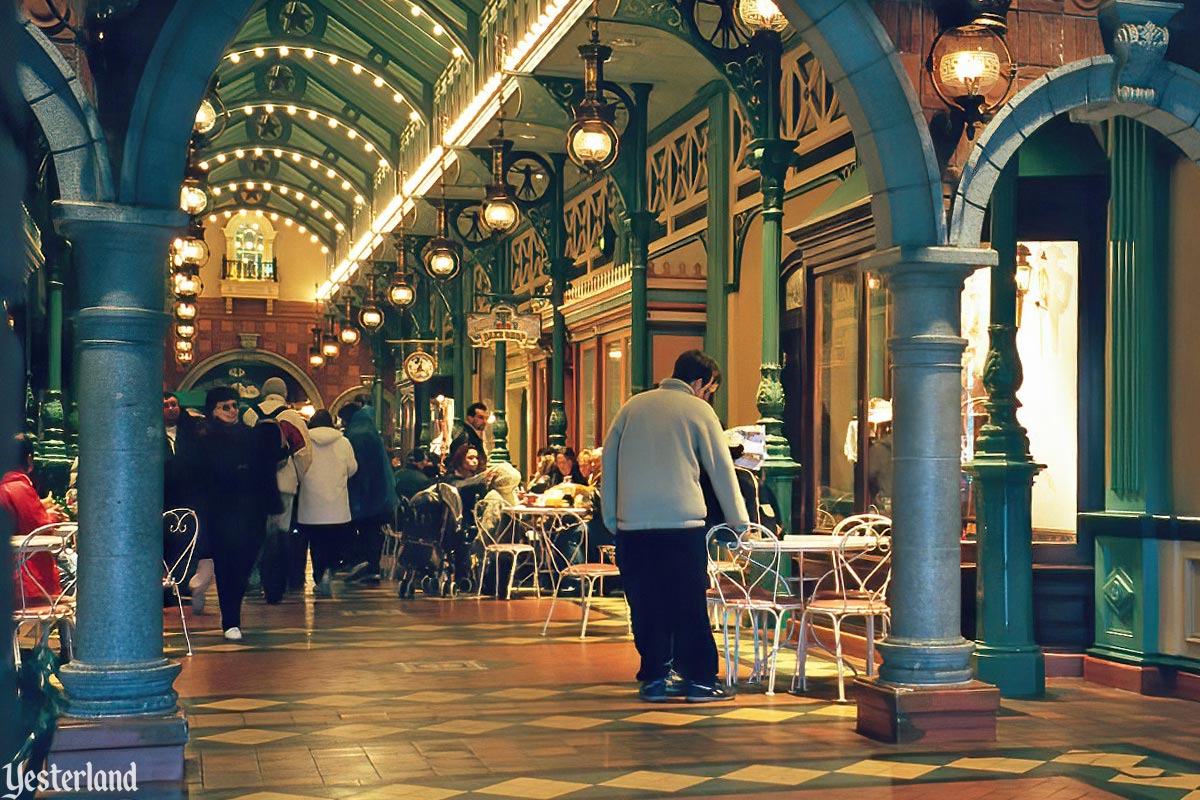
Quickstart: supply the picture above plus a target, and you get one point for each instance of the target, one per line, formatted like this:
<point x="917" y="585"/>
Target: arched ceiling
<point x="319" y="94"/>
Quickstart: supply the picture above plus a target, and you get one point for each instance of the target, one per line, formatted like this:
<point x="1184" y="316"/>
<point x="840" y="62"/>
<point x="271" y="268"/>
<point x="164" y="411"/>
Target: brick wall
<point x="288" y="332"/>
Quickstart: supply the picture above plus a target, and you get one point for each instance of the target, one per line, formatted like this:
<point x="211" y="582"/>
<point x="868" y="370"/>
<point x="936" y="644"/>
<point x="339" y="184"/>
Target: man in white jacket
<point x="653" y="457"/>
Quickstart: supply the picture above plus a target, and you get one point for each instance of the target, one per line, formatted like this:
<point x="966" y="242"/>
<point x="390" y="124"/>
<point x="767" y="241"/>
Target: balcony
<point x="252" y="280"/>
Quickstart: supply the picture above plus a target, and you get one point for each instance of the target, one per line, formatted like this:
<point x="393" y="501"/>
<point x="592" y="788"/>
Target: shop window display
<point x="1047" y="342"/>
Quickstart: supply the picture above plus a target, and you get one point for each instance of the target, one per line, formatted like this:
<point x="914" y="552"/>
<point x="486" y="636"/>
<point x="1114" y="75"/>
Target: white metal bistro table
<point x="538" y="524"/>
<point x="798" y="545"/>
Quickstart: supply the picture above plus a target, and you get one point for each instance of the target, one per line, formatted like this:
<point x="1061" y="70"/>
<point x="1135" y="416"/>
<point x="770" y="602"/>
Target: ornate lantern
<point x="592" y="139"/>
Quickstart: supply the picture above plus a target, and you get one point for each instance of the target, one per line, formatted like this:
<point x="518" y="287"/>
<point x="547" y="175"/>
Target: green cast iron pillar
<point x="773" y="157"/>
<point x="120" y="254"/>
<point x="560" y="271"/>
<point x="462" y="347"/>
<point x="719" y="244"/>
<point x="639" y="221"/>
<point x="1005" y="652"/>
<point x="500" y="285"/>
<point x="54" y="455"/>
<point x="422" y="434"/>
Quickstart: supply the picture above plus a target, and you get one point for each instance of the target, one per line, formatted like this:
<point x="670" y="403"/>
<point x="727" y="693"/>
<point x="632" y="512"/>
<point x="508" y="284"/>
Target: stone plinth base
<point x="958" y="713"/>
<point x="154" y="743"/>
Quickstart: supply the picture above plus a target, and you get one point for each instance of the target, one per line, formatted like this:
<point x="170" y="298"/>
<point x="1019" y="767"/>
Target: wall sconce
<point x="592" y="139"/>
<point x="970" y="65"/>
<point x="1023" y="276"/>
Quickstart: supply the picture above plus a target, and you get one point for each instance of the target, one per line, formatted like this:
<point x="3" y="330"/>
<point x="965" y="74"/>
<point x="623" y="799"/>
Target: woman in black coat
<point x="236" y="477"/>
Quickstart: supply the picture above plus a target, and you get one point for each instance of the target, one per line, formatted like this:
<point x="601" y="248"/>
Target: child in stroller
<point x="434" y="553"/>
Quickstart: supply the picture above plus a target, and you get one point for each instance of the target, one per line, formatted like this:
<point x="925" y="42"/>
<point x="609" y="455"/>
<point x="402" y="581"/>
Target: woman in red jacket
<point x="24" y="507"/>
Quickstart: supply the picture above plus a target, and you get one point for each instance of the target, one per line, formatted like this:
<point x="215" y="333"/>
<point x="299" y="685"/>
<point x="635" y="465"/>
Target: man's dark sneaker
<point x="361" y="568"/>
<point x="660" y="690"/>
<point x="709" y="692"/>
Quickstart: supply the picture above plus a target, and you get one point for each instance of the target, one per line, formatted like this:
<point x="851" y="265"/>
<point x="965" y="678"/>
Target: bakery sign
<point x="504" y="324"/>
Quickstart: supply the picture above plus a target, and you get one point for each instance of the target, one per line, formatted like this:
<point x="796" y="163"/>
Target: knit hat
<point x="274" y="385"/>
<point x="218" y="394"/>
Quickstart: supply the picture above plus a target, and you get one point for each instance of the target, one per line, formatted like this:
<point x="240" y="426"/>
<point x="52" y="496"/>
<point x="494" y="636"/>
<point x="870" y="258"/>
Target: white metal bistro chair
<point x="588" y="573"/>
<point x="45" y="601"/>
<point x="744" y="573"/>
<point x="855" y="586"/>
<point x="491" y="527"/>
<point x="181" y="528"/>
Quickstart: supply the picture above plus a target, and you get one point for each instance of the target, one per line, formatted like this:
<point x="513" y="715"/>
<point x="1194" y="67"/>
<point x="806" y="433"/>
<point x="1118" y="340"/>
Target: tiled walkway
<point x="367" y="697"/>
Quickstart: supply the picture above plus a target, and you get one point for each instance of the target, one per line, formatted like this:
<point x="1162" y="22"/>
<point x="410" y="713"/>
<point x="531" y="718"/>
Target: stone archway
<point x="890" y="133"/>
<point x="1085" y="89"/>
<point x="51" y="88"/>
<point x="185" y="54"/>
<point x="264" y="356"/>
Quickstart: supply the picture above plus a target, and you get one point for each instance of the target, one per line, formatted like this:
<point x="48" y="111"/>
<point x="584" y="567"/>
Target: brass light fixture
<point x="761" y="15"/>
<point x="442" y="255"/>
<point x="370" y="316"/>
<point x="500" y="212"/>
<point x="349" y="333"/>
<point x="186" y="284"/>
<point x="329" y="341"/>
<point x="316" y="358"/>
<point x="970" y="65"/>
<point x="183" y="346"/>
<point x="400" y="293"/>
<point x="592" y="140"/>
<point x="183" y="357"/>
<point x="185" y="330"/>
<point x="190" y="250"/>
<point x="1023" y="276"/>
<point x="210" y="115"/>
<point x="193" y="195"/>
<point x="185" y="311"/>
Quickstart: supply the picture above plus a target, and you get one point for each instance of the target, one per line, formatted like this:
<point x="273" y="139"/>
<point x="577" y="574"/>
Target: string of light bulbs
<point x="282" y="153"/>
<point x="293" y="193"/>
<point x="292" y="109"/>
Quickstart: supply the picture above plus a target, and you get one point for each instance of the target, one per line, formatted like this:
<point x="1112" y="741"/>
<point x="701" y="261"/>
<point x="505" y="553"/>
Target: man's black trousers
<point x="665" y="574"/>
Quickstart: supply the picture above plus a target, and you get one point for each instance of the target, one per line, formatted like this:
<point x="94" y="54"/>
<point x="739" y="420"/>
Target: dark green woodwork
<point x="1139" y="447"/>
<point x="53" y="454"/>
<point x="460" y="298"/>
<point x="719" y="236"/>
<point x="1127" y="598"/>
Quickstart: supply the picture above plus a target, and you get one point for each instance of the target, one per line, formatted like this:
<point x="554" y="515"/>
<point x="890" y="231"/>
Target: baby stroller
<point x="432" y="545"/>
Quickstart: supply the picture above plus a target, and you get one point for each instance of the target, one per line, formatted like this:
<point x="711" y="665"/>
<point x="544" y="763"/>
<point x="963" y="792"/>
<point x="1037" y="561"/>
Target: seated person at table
<point x="540" y="480"/>
<point x="502" y="495"/>
<point x="28" y="512"/>
<point x="466" y="473"/>
<point x="566" y="469"/>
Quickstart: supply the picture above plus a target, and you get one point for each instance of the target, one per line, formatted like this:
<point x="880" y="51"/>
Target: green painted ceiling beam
<point x="344" y="169"/>
<point x="336" y="202"/>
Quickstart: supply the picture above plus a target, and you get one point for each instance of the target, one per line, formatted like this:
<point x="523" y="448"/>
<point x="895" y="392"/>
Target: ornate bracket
<point x="1136" y="35"/>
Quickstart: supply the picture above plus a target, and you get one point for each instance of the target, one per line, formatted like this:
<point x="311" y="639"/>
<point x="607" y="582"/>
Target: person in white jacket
<point x="324" y="512"/>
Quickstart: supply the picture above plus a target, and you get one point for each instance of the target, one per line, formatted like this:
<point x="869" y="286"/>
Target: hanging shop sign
<point x="420" y="366"/>
<point x="504" y="324"/>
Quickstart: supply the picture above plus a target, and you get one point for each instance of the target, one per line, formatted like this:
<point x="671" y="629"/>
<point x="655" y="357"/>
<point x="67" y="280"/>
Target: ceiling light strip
<point x="293" y="110"/>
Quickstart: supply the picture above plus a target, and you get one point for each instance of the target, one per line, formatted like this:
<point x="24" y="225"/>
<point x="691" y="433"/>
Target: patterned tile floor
<point x="367" y="697"/>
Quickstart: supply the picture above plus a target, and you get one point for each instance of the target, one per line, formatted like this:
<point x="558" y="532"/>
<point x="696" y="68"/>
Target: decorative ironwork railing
<point x="599" y="281"/>
<point x="678" y="170"/>
<point x="529" y="261"/>
<point x="585" y="217"/>
<point x="235" y="270"/>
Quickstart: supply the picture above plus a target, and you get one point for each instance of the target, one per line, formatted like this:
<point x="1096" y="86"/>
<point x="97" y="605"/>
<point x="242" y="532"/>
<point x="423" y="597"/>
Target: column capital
<point x="74" y="217"/>
<point x="933" y="265"/>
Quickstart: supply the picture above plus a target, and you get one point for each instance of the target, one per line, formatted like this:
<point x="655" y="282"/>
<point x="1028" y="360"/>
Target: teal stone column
<point x="925" y="646"/>
<point x="1005" y="652"/>
<point x="120" y="254"/>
